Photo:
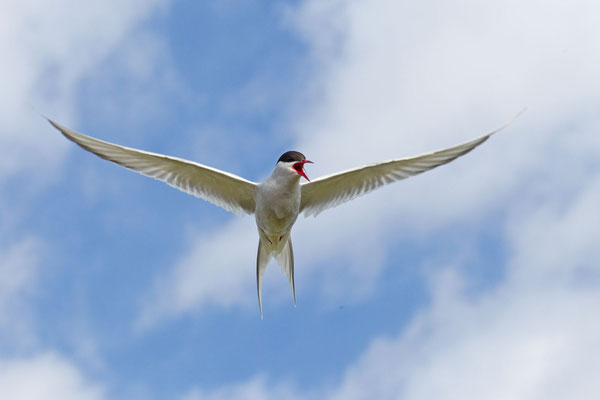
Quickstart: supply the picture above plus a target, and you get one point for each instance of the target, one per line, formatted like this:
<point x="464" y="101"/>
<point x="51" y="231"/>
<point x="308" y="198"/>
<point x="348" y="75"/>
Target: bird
<point x="277" y="201"/>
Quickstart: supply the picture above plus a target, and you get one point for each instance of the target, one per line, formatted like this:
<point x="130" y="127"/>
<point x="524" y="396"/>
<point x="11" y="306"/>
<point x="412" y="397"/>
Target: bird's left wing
<point x="332" y="190"/>
<point x="223" y="189"/>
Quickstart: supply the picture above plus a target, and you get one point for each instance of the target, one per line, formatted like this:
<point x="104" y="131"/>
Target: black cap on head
<point x="291" y="156"/>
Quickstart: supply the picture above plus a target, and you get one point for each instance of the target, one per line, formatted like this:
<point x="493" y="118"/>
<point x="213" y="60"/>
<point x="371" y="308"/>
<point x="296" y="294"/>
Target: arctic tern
<point x="278" y="200"/>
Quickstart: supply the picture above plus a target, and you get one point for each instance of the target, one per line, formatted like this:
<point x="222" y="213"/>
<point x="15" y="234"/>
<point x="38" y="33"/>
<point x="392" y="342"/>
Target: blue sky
<point x="476" y="280"/>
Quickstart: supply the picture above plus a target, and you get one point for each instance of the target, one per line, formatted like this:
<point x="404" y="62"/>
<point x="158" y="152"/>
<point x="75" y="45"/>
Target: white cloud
<point x="48" y="48"/>
<point x="257" y="388"/>
<point x="518" y="344"/>
<point x="39" y="375"/>
<point x="191" y="283"/>
<point x="45" y="376"/>
<point x="558" y="236"/>
<point x="534" y="336"/>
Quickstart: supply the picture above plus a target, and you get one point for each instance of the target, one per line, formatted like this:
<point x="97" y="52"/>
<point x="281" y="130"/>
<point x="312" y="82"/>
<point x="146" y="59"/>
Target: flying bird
<point x="277" y="201"/>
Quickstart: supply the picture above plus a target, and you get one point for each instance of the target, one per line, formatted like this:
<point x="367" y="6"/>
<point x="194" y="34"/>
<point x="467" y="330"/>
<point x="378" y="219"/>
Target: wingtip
<point x="51" y="122"/>
<point x="513" y="119"/>
<point x="35" y="110"/>
<point x="41" y="114"/>
<point x="518" y="114"/>
<point x="66" y="132"/>
<point x="54" y="124"/>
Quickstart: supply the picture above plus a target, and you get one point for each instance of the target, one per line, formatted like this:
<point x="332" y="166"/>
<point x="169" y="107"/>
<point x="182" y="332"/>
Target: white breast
<point x="278" y="202"/>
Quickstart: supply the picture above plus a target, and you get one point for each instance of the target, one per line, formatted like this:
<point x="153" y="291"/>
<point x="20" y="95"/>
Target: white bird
<point x="278" y="200"/>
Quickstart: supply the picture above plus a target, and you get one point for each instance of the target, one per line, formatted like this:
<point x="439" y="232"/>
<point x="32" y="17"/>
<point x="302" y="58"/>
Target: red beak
<point x="299" y="168"/>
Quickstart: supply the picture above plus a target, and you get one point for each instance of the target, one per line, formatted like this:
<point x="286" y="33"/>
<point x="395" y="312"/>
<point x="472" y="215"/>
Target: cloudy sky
<point x="478" y="280"/>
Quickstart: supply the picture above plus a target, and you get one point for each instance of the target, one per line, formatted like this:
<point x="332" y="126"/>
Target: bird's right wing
<point x="332" y="190"/>
<point x="223" y="189"/>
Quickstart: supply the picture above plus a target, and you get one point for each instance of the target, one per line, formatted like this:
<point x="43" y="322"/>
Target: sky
<point x="479" y="279"/>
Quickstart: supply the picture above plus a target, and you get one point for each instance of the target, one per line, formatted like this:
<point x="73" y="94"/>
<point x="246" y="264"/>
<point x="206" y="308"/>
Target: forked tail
<point x="285" y="259"/>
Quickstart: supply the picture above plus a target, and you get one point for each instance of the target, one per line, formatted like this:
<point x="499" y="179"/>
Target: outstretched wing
<point x="223" y="189"/>
<point x="332" y="190"/>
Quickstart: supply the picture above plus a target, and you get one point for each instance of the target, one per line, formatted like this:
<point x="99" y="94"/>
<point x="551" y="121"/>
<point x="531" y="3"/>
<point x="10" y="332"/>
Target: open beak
<point x="299" y="168"/>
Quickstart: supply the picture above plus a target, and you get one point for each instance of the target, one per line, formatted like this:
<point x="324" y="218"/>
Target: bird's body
<point x="278" y="200"/>
<point x="277" y="203"/>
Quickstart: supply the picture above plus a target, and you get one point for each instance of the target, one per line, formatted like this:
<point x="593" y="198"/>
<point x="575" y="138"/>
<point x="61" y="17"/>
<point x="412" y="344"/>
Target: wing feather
<point x="332" y="190"/>
<point x="223" y="189"/>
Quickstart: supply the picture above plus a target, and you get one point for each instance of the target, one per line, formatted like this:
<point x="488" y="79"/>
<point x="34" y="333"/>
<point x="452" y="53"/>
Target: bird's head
<point x="295" y="161"/>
